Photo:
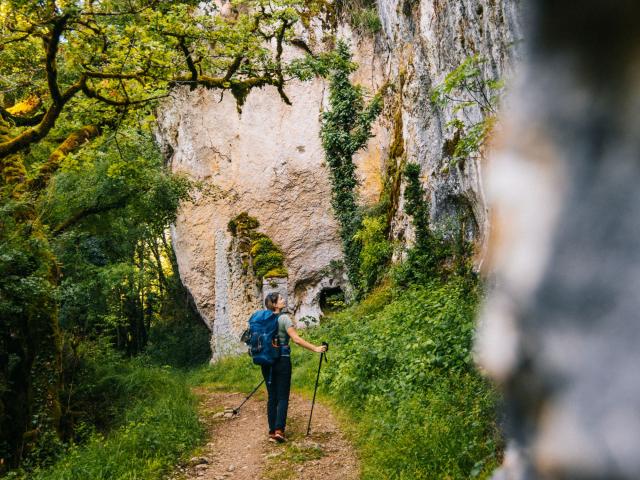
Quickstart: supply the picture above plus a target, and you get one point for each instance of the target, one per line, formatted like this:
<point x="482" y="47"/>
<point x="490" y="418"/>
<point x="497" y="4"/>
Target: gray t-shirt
<point x="284" y="322"/>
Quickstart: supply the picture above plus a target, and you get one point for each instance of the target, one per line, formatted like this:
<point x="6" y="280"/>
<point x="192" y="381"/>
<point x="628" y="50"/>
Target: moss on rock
<point x="266" y="258"/>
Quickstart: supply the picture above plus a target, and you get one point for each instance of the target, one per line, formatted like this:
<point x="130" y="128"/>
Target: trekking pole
<point x="236" y="411"/>
<point x="322" y="355"/>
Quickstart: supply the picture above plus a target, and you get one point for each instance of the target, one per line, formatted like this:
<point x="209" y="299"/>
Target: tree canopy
<point x="94" y="61"/>
<point x="85" y="198"/>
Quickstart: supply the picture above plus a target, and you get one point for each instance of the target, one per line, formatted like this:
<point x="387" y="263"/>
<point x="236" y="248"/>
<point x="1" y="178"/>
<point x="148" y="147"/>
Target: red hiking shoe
<point x="279" y="436"/>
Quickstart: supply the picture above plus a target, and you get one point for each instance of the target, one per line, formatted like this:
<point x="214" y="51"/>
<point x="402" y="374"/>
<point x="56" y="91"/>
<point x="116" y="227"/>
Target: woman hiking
<point x="279" y="373"/>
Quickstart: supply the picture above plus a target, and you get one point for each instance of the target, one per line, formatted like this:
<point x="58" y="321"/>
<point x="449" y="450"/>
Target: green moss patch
<point x="266" y="257"/>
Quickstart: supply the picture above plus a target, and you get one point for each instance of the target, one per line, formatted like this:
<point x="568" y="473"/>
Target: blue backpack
<point x="262" y="337"/>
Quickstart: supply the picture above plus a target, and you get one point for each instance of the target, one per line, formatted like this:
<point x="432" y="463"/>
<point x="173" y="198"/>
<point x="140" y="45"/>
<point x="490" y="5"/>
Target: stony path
<point x="238" y="448"/>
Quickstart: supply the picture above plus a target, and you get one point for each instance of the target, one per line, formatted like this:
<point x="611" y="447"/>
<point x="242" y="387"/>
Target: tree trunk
<point x="30" y="356"/>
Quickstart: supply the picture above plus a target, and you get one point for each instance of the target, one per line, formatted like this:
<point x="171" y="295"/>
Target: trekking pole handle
<point x="325" y="352"/>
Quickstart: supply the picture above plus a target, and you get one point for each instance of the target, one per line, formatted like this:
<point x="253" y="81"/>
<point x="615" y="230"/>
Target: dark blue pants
<point x="278" y="390"/>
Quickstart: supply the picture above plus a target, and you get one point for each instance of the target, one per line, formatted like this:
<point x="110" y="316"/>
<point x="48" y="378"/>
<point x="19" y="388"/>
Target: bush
<point x="366" y="19"/>
<point x="142" y="420"/>
<point x="361" y="14"/>
<point x="401" y="364"/>
<point x="376" y="250"/>
<point x="400" y="367"/>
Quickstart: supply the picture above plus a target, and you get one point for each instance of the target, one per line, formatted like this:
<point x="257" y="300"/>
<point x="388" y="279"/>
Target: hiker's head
<point x="274" y="301"/>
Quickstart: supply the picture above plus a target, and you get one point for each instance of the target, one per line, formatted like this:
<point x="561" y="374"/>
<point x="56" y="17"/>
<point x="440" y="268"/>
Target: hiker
<point x="279" y="373"/>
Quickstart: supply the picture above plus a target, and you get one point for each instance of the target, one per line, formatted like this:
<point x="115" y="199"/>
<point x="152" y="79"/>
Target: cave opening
<point x="331" y="300"/>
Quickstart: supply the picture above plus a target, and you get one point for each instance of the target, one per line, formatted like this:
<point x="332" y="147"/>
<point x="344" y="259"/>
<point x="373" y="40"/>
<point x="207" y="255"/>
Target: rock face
<point x="424" y="41"/>
<point x="560" y="331"/>
<point x="268" y="161"/>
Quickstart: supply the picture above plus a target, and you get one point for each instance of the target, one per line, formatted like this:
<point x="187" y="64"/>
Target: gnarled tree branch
<point x="41" y="130"/>
<point x="187" y="56"/>
<point x="19" y="120"/>
<point x="279" y="41"/>
<point x="72" y="142"/>
<point x="77" y="217"/>
<point x="51" y="44"/>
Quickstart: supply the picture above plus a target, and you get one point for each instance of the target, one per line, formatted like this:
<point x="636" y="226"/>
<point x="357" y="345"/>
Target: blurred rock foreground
<point x="560" y="332"/>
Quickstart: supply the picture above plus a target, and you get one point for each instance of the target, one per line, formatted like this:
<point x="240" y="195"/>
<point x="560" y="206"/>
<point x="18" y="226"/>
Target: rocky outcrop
<point x="423" y="42"/>
<point x="268" y="160"/>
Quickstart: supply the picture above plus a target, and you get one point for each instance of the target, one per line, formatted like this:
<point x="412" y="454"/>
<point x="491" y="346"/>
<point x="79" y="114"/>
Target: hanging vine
<point x="346" y="128"/>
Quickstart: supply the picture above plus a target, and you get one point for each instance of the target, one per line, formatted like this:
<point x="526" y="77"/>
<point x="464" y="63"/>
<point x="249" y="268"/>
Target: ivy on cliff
<point x="436" y="252"/>
<point x="429" y="250"/>
<point x="346" y="127"/>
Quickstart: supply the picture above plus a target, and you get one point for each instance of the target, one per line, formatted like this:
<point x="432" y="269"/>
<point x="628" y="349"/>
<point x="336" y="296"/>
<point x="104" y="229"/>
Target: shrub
<point x="465" y="89"/>
<point x="361" y="14"/>
<point x="141" y="420"/>
<point x="401" y="364"/>
<point x="376" y="250"/>
<point x="366" y="19"/>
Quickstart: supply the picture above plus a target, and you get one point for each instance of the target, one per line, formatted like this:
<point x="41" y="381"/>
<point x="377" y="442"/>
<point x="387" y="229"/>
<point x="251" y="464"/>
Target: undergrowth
<point x="402" y="367"/>
<point x="144" y="420"/>
<point x="399" y="368"/>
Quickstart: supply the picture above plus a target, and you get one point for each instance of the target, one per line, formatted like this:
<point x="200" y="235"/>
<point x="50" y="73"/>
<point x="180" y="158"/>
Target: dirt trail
<point x="238" y="447"/>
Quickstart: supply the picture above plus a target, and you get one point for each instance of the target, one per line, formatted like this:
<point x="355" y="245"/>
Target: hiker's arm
<point x="303" y="343"/>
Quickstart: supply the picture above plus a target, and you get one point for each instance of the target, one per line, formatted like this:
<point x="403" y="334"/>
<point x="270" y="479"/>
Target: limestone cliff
<point x="268" y="160"/>
<point x="423" y="42"/>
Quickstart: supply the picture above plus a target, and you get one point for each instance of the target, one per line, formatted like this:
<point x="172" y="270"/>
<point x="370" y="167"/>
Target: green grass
<point x="233" y="373"/>
<point x="284" y="464"/>
<point x="156" y="425"/>
<point x="296" y="453"/>
<point x="399" y="367"/>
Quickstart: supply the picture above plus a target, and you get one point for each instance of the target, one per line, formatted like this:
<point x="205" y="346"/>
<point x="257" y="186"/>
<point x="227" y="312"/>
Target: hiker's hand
<point x="320" y="349"/>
